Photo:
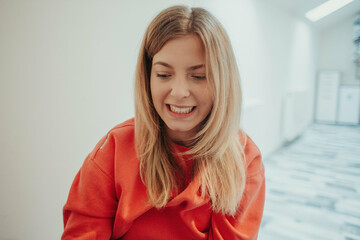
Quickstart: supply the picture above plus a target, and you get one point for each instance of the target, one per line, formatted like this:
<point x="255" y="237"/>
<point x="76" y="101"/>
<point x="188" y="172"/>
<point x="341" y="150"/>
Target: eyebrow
<point x="169" y="66"/>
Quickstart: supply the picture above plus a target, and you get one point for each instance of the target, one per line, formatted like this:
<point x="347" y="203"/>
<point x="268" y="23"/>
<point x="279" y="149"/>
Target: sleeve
<point x="246" y="223"/>
<point x="91" y="206"/>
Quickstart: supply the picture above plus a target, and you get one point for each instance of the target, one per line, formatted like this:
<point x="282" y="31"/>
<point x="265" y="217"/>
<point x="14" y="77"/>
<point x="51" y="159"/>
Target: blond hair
<point x="218" y="156"/>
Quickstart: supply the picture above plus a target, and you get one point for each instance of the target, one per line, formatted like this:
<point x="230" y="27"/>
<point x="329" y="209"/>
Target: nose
<point x="180" y="87"/>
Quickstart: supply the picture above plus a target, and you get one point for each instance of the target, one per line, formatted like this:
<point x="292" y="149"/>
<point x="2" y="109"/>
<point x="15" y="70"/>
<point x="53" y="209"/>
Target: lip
<point x="180" y="115"/>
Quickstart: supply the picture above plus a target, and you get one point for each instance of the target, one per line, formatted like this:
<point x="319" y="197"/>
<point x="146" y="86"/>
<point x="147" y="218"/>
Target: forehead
<point x="186" y="50"/>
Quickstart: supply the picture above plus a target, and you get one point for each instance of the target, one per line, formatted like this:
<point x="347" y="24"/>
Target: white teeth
<point x="180" y="110"/>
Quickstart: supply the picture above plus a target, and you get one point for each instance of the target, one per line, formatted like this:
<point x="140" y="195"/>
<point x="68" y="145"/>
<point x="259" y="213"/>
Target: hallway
<point x="313" y="186"/>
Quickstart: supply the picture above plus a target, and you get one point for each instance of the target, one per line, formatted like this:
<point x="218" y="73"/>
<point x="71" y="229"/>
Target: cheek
<point x="209" y="107"/>
<point x="207" y="98"/>
<point x="155" y="93"/>
<point x="152" y="89"/>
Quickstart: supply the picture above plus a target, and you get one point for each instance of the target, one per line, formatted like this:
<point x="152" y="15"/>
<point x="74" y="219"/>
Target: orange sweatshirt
<point x="107" y="199"/>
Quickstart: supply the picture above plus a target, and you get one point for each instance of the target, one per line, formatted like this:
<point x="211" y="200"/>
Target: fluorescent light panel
<point x="326" y="9"/>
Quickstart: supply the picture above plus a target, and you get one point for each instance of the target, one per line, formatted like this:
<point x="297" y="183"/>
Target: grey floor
<point x="313" y="186"/>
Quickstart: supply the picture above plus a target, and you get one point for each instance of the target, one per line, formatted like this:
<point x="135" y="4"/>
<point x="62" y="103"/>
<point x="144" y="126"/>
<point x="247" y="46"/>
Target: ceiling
<point x="300" y="7"/>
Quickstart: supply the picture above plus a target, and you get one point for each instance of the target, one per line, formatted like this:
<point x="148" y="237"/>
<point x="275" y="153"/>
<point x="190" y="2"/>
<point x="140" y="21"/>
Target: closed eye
<point x="199" y="77"/>
<point x="163" y="75"/>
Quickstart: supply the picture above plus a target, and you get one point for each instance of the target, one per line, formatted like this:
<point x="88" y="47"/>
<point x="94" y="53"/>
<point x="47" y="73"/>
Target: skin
<point x="179" y="88"/>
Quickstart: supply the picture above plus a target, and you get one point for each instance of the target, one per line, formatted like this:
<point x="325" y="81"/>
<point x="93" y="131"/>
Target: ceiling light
<point x="325" y="9"/>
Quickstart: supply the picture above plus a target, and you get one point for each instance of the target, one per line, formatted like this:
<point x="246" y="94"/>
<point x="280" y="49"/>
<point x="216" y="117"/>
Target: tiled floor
<point x="313" y="187"/>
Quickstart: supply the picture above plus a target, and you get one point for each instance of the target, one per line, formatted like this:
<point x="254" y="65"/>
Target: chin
<point x="182" y="129"/>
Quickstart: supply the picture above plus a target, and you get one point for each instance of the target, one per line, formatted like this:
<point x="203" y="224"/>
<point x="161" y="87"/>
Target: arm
<point x="90" y="209"/>
<point x="245" y="225"/>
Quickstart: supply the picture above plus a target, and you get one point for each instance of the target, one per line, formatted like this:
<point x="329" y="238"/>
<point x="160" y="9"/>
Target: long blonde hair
<point x="218" y="155"/>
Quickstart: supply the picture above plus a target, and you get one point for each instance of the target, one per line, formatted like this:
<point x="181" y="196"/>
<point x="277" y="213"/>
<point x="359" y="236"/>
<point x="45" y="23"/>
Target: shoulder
<point x="252" y="155"/>
<point x="119" y="139"/>
<point x="123" y="133"/>
<point x="124" y="128"/>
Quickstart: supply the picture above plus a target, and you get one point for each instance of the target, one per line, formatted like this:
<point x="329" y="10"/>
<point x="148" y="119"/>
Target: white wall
<point x="337" y="50"/>
<point x="66" y="78"/>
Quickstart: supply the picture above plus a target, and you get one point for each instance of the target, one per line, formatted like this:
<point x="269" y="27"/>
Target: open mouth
<point x="180" y="110"/>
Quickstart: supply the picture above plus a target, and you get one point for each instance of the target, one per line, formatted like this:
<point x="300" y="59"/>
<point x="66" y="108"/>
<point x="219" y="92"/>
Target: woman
<point x="181" y="169"/>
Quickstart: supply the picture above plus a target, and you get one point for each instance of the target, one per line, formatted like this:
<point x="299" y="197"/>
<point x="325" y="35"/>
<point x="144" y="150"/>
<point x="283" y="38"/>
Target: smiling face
<point x="179" y="88"/>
